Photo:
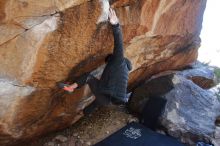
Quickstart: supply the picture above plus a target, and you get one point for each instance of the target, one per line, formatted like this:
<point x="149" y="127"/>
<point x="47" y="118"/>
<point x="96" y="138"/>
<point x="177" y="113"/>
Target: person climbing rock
<point x="112" y="86"/>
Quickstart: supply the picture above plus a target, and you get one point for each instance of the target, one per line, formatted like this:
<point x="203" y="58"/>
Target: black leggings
<point x="101" y="99"/>
<point x="93" y="82"/>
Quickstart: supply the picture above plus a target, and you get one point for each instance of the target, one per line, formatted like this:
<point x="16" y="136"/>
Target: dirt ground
<point x="90" y="129"/>
<point x="93" y="128"/>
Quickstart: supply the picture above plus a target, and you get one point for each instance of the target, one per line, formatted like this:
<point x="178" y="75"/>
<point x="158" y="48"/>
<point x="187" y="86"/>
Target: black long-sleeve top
<point x="114" y="79"/>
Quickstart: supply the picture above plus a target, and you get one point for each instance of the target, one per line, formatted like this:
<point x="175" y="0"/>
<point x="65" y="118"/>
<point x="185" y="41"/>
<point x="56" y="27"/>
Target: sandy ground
<point x="90" y="129"/>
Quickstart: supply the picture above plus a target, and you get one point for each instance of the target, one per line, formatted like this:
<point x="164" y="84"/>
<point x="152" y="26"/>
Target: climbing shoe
<point x="65" y="87"/>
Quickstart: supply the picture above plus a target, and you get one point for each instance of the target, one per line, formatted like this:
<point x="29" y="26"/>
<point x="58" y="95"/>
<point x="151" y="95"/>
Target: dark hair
<point x="108" y="58"/>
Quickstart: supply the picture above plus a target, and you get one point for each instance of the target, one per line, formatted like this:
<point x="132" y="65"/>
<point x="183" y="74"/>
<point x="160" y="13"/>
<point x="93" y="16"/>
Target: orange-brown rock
<point x="46" y="41"/>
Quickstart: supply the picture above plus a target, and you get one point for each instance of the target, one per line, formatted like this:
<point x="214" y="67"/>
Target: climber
<point x="112" y="86"/>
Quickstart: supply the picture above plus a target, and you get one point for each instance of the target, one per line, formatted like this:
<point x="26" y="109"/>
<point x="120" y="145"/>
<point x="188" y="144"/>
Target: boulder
<point x="158" y="86"/>
<point x="200" y="74"/>
<point x="216" y="139"/>
<point x="44" y="42"/>
<point x="190" y="112"/>
<point x="216" y="91"/>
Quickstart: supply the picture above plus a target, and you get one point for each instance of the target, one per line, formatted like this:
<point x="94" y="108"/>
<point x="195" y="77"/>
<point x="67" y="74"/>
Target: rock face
<point x="200" y="74"/>
<point x="190" y="112"/>
<point x="46" y="41"/>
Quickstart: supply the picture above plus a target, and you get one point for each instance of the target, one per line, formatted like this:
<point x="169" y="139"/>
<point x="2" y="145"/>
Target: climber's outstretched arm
<point x="118" y="51"/>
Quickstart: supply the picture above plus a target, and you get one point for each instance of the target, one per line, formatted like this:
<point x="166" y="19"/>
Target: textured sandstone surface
<point x="46" y="41"/>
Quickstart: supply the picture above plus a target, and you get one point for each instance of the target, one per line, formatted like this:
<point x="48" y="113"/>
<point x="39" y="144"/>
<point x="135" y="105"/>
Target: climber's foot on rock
<point x="68" y="88"/>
